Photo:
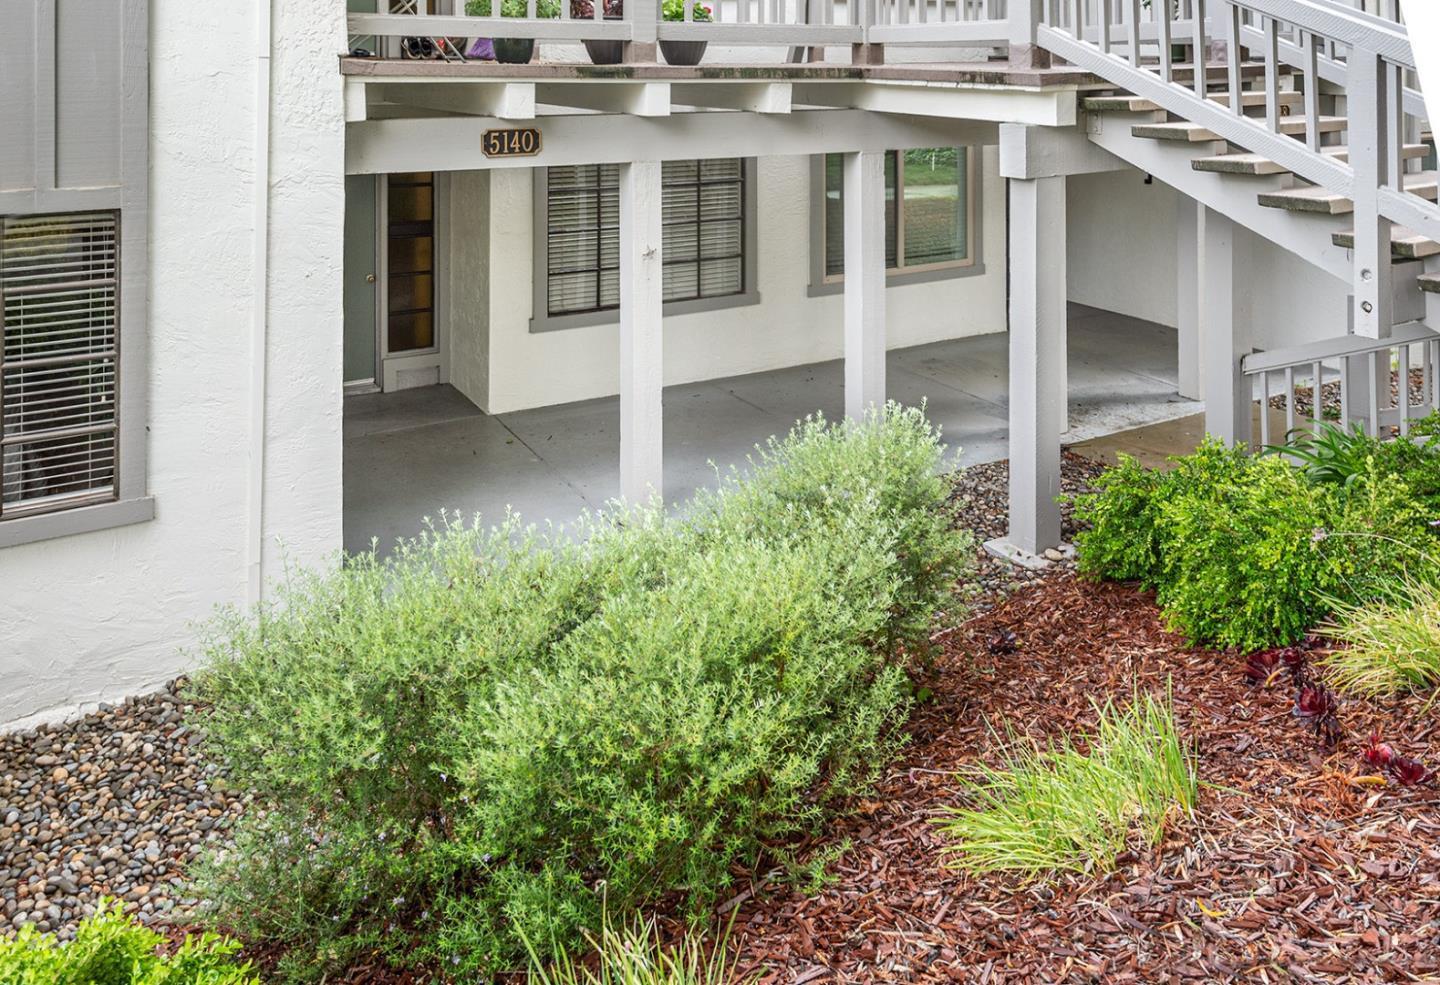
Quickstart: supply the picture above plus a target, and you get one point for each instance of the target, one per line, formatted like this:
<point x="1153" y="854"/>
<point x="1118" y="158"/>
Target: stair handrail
<point x="1378" y="56"/>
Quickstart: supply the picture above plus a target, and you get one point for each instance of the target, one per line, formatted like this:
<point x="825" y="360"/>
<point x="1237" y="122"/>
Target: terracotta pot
<point x="514" y="51"/>
<point x="606" y="52"/>
<point x="683" y="52"/>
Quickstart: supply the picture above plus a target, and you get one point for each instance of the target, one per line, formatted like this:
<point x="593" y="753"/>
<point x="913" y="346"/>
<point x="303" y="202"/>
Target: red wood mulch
<point x="1296" y="867"/>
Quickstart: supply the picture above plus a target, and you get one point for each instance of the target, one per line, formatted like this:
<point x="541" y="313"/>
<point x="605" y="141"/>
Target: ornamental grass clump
<point x="1070" y="808"/>
<point x="636" y="955"/>
<point x="474" y="742"/>
<point x="1391" y="645"/>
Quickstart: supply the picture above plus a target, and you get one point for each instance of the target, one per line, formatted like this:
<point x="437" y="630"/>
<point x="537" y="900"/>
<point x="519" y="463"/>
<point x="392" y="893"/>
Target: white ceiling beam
<point x="1051" y="107"/>
<point x="1048" y="152"/>
<point x="632" y="98"/>
<point x="748" y="97"/>
<point x="454" y="143"/>
<point x="355" y="101"/>
<point x="502" y="100"/>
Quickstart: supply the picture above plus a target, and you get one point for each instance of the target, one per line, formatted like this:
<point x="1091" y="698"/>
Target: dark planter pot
<point x="514" y="51"/>
<point x="606" y="52"/>
<point x="683" y="52"/>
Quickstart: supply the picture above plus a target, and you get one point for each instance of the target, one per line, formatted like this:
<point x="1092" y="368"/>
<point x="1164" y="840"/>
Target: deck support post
<point x="864" y="190"/>
<point x="1189" y="222"/>
<point x="1037" y="366"/>
<point x="641" y="352"/>
<point x="1222" y="335"/>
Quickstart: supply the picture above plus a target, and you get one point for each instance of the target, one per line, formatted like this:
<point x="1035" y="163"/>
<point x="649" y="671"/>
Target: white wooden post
<point x="1189" y="220"/>
<point x="641" y="351"/>
<point x="1037" y="363"/>
<point x="864" y="189"/>
<point x="1222" y="334"/>
<point x="1367" y="111"/>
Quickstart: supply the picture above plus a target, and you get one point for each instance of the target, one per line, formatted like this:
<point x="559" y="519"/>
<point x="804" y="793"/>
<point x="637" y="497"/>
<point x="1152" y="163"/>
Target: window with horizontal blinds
<point x="59" y="353"/>
<point x="704" y="234"/>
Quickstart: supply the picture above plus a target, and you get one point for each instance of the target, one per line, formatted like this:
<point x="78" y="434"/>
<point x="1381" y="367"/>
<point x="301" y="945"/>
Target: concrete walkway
<point x="412" y="453"/>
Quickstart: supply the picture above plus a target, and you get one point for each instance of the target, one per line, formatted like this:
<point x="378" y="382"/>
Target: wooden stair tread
<point x="1181" y="130"/>
<point x="1247" y="163"/>
<point x="1405" y="243"/>
<point x="1313" y="198"/>
<point x="1197" y="133"/>
<point x="1429" y="283"/>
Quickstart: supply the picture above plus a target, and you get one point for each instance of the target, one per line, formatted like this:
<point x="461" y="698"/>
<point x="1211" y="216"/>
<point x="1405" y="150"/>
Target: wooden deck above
<point x="967" y="74"/>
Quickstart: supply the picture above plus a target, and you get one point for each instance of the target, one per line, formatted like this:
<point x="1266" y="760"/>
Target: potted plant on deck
<point x="514" y="51"/>
<point x="685" y="52"/>
<point x="601" y="52"/>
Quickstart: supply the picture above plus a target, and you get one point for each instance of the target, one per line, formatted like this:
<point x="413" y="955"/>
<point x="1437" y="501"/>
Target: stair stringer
<point x="1307" y="235"/>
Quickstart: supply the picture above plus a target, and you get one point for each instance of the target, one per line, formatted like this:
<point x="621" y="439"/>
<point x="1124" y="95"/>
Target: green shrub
<point x="476" y="740"/>
<point x="111" y="949"/>
<point x="1392" y="644"/>
<point x="1338" y="456"/>
<point x="1061" y="809"/>
<point x="1247" y="551"/>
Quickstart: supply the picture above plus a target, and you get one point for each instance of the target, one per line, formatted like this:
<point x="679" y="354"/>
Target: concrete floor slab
<point x="410" y="454"/>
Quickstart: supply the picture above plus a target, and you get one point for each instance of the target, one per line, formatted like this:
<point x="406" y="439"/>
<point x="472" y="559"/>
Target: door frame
<point x="389" y="367"/>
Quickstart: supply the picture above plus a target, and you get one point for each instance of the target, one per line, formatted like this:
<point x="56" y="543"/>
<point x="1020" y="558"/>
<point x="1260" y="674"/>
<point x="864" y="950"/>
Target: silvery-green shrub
<point x="493" y="736"/>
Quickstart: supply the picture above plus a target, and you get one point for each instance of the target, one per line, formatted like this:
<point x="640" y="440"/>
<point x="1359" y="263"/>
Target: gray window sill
<point x="81" y="520"/>
<point x="672" y="309"/>
<point x="900" y="279"/>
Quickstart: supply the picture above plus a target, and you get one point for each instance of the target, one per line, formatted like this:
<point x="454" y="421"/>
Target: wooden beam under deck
<point x="453" y="143"/>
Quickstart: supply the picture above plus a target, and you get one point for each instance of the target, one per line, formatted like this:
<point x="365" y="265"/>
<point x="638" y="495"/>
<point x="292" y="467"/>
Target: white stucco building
<point x="218" y="222"/>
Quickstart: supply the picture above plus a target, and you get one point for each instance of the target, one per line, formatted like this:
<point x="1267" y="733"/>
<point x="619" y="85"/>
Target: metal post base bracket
<point x="1021" y="558"/>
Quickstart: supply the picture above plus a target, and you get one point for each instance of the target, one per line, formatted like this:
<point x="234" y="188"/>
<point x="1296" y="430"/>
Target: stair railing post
<point x="1200" y="53"/>
<point x="1368" y="123"/>
<point x="1024" y="17"/>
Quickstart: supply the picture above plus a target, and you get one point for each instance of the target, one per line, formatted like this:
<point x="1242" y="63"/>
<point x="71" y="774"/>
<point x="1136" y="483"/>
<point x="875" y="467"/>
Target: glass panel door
<point x="410" y="271"/>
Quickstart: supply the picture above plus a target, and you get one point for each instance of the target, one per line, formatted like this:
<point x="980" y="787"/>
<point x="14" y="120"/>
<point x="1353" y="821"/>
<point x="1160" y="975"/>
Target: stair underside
<point x="1195" y="133"/>
<point x="1259" y="164"/>
<point x="1405" y="243"/>
<point x="1312" y="198"/>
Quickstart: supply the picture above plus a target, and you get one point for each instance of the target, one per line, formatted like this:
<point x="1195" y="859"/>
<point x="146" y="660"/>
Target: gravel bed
<point x="115" y="803"/>
<point x="112" y="804"/>
<point x="979" y="501"/>
<point x="1330" y="397"/>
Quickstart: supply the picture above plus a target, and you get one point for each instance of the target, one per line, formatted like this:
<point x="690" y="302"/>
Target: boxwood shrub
<point x="495" y="736"/>
<point x="1250" y="552"/>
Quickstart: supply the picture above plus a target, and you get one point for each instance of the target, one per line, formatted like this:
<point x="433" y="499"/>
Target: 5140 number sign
<point x="517" y="142"/>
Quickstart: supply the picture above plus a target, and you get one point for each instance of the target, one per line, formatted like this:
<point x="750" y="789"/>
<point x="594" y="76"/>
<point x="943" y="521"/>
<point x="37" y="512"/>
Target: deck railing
<point x="1380" y="385"/>
<point x="444" y="29"/>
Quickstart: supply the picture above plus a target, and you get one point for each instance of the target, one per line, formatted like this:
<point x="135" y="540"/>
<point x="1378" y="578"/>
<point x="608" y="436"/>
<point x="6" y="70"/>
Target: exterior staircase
<point x="1276" y="137"/>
